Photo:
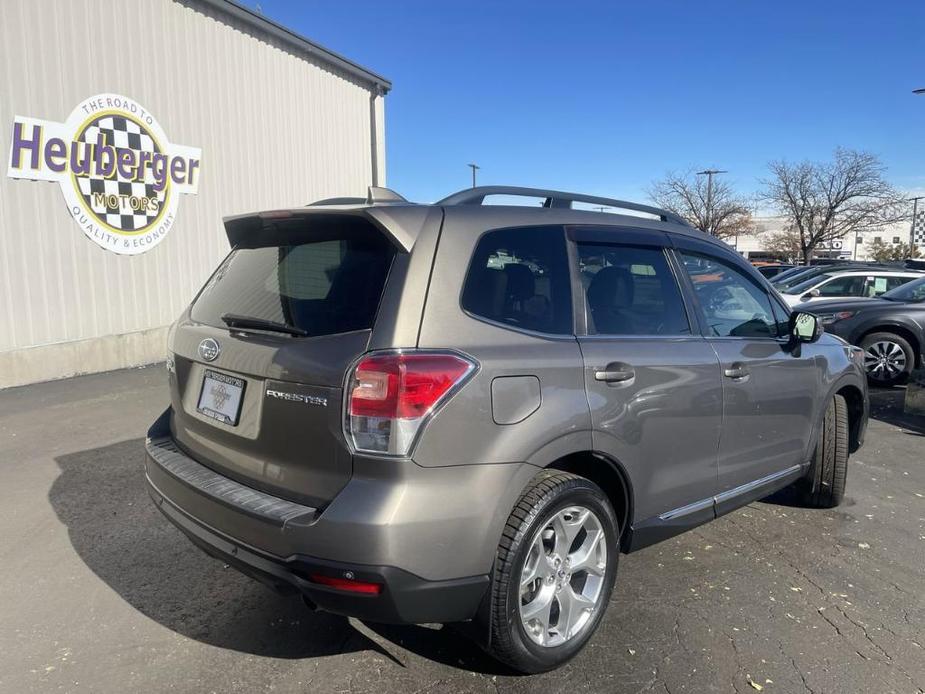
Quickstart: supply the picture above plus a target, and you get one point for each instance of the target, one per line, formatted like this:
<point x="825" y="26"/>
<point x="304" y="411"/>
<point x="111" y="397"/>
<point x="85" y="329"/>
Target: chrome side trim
<point x="727" y="495"/>
<point x="687" y="510"/>
<point x="754" y="484"/>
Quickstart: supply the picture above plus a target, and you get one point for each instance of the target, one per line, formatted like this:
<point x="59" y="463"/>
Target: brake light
<point x="390" y="395"/>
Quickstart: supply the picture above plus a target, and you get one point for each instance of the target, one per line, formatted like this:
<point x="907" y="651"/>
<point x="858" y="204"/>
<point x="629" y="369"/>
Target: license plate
<point x="221" y="397"/>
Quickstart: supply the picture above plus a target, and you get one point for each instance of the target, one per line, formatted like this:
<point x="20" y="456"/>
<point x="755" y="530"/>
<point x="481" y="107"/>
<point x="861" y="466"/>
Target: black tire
<point x="547" y="494"/>
<point x="825" y="481"/>
<point x="883" y="377"/>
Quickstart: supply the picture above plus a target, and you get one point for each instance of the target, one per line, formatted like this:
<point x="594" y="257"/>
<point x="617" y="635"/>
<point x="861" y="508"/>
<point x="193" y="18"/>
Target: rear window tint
<point x="323" y="287"/>
<point x="520" y="277"/>
<point x="630" y="291"/>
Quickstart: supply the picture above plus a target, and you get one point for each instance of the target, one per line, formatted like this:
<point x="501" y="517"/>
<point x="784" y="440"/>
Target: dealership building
<point x="132" y="129"/>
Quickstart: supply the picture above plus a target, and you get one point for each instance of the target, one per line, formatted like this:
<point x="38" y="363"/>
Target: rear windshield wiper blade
<point x="233" y="320"/>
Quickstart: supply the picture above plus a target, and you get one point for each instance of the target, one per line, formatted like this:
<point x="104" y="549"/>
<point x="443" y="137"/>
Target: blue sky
<point x="605" y="97"/>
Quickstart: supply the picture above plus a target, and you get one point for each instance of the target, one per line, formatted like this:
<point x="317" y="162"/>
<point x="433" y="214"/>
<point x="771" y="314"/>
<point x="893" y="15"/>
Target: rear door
<point x="653" y="382"/>
<point x="261" y="355"/>
<point x="769" y="391"/>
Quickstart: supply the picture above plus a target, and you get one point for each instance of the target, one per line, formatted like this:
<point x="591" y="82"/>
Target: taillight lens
<point x="350" y="585"/>
<point x="390" y="396"/>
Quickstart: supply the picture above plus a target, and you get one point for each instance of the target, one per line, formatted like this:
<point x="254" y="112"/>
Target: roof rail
<point x="555" y="199"/>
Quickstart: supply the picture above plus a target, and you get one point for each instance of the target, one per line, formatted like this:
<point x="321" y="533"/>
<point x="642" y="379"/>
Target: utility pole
<point x="709" y="173"/>
<point x="474" y="168"/>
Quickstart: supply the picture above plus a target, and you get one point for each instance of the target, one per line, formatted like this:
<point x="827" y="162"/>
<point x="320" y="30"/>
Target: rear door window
<point x="324" y="286"/>
<point x="630" y="290"/>
<point x="880" y="284"/>
<point x="519" y="277"/>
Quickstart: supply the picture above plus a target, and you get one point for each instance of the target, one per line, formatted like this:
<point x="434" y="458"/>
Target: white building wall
<point x="277" y="128"/>
<point x="852" y="247"/>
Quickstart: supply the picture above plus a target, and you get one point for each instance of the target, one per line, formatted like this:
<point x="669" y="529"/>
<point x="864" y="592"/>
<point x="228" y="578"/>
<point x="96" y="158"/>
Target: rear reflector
<point x="348" y="584"/>
<point x="391" y="394"/>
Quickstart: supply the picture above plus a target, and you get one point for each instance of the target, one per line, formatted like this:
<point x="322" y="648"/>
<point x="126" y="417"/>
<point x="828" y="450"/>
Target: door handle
<point x="615" y="373"/>
<point x="736" y="371"/>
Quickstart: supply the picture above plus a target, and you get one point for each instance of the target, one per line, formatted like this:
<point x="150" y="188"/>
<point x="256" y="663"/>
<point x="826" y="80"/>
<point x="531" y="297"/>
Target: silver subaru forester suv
<point x="464" y="412"/>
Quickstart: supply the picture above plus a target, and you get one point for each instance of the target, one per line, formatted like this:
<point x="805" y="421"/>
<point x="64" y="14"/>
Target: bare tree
<point x="825" y="201"/>
<point x="727" y="215"/>
<point x="784" y="243"/>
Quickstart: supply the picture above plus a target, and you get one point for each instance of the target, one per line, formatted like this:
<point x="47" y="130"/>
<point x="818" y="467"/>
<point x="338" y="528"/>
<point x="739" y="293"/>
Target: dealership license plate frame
<point x="228" y="380"/>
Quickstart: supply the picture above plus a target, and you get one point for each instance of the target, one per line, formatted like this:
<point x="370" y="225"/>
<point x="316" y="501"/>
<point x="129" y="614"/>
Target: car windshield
<point x="806" y="285"/>
<point x="788" y="273"/>
<point x="911" y="291"/>
<point x="785" y="284"/>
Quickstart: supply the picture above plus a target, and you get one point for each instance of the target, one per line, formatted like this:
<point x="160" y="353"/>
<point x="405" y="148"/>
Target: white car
<point x="854" y="283"/>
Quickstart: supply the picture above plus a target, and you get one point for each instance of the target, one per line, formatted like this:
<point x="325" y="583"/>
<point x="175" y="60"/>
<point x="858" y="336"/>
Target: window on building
<point x="895" y="239"/>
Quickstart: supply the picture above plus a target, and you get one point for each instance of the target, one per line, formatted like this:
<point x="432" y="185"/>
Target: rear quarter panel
<point x="464" y="431"/>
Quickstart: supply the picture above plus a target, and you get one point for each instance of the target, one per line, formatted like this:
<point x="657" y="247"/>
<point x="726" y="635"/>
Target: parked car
<point x="890" y="329"/>
<point x="800" y="273"/>
<point x="855" y="283"/>
<point x="782" y="277"/>
<point x="463" y="413"/>
<point x="770" y="271"/>
<point x="803" y="272"/>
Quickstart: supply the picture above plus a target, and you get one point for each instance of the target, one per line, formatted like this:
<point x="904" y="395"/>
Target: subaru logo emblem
<point x="209" y="349"/>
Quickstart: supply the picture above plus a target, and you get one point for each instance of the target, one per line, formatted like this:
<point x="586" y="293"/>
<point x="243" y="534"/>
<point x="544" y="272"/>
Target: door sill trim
<point x="755" y="484"/>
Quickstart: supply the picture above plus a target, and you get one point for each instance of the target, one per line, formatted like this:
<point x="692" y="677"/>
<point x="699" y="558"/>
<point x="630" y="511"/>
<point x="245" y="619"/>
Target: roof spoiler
<point x="376" y="195"/>
<point x="555" y="199"/>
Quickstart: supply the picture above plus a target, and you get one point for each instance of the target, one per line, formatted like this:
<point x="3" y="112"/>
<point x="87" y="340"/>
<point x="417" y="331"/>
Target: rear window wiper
<point x="233" y="320"/>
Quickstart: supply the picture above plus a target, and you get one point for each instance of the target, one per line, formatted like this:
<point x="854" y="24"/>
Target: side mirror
<point x="804" y="327"/>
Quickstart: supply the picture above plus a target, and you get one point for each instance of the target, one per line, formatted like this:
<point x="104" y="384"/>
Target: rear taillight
<point x="390" y="395"/>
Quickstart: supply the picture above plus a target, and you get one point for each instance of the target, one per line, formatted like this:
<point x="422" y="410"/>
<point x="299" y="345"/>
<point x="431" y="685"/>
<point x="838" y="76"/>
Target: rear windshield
<point x="322" y="286"/>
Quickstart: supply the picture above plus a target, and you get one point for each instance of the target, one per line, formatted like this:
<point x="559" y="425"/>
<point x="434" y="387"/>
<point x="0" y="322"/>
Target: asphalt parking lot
<point x="98" y="593"/>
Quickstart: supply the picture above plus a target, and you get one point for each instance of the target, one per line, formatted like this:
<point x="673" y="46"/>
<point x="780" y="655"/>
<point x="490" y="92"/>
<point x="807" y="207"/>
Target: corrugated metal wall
<point x="275" y="129"/>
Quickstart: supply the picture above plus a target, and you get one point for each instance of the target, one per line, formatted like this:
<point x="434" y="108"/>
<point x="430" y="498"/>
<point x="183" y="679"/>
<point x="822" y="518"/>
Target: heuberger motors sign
<point x="120" y="176"/>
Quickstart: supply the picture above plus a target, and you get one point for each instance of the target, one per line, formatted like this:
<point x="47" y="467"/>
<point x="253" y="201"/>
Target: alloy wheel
<point x="562" y="577"/>
<point x="884" y="360"/>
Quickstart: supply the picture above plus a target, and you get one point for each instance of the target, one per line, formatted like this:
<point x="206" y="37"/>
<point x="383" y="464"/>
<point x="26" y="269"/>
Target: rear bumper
<point x="405" y="598"/>
<point x="428" y="535"/>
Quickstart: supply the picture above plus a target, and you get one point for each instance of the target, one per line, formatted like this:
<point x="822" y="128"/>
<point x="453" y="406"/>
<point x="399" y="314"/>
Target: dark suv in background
<point x="890" y="329"/>
<point x="462" y="412"/>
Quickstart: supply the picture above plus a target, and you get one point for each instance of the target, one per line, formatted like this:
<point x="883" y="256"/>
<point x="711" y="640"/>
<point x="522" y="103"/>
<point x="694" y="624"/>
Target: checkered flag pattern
<point x="121" y="133"/>
<point x="918" y="228"/>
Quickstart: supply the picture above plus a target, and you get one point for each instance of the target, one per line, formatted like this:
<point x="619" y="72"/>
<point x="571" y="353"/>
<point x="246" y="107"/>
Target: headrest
<point x="612" y="287"/>
<point x="520" y="282"/>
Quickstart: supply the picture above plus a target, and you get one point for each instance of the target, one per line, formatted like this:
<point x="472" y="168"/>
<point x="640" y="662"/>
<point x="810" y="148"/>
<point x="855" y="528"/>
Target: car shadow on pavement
<point x="116" y="530"/>
<point x="886" y="405"/>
